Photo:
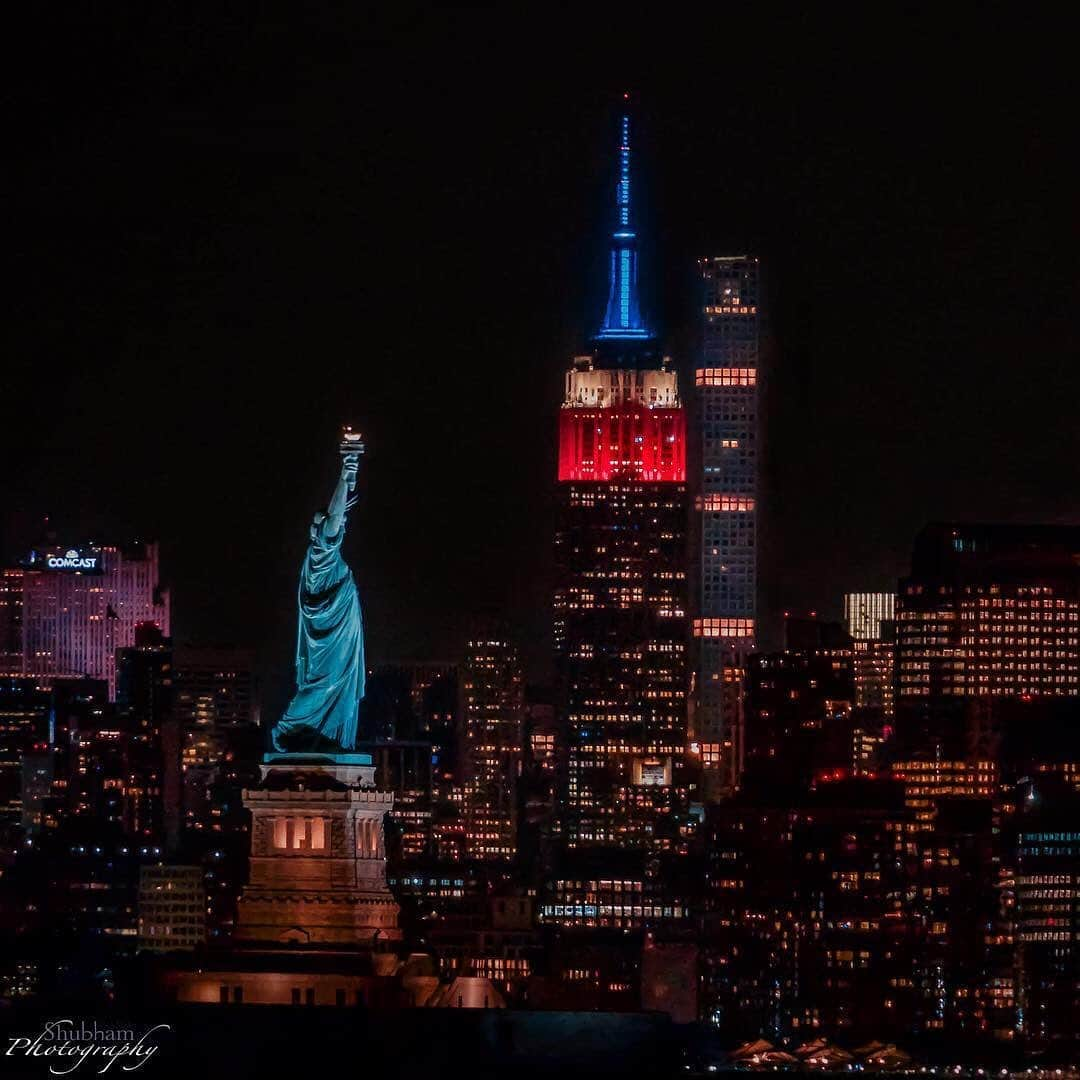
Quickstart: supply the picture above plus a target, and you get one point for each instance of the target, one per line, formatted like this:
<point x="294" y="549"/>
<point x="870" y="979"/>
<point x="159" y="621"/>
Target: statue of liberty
<point x="322" y="716"/>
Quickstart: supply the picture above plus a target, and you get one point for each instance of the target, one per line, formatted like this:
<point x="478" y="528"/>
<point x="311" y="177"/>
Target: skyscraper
<point x="24" y="722"/>
<point x="870" y="620"/>
<point x="1046" y="850"/>
<point x="147" y="719"/>
<point x="172" y="908"/>
<point x="865" y="612"/>
<point x="214" y="702"/>
<point x="725" y="616"/>
<point x="492" y="712"/>
<point x="620" y="605"/>
<point x="78" y="606"/>
<point x="991" y="610"/>
<point x="988" y="641"/>
<point x="11" y="600"/>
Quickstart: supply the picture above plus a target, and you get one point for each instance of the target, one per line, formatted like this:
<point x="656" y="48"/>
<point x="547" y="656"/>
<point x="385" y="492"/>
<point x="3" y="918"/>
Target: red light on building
<point x="628" y="442"/>
<point x="829" y="776"/>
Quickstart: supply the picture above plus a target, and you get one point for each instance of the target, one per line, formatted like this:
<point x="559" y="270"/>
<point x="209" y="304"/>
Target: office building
<point x="621" y="597"/>
<point x="869" y="618"/>
<point x="11" y="605"/>
<point x="865" y="614"/>
<point x="172" y="908"/>
<point x="151" y="734"/>
<point x="24" y="722"/>
<point x="988" y="644"/>
<point x="78" y="606"/>
<point x="991" y="610"/>
<point x="1047" y="914"/>
<point x="492" y="711"/>
<point x="214" y="699"/>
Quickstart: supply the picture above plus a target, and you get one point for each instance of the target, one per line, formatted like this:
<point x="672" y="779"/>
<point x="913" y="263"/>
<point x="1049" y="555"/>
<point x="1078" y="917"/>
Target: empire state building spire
<point x="622" y="317"/>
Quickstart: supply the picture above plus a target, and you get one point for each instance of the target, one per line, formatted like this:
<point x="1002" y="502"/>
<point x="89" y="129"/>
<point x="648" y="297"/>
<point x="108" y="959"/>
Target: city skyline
<point x="895" y="284"/>
<point x="681" y="466"/>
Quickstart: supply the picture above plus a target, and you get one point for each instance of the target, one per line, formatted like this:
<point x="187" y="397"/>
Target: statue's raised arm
<point x="322" y="716"/>
<point x="351" y="449"/>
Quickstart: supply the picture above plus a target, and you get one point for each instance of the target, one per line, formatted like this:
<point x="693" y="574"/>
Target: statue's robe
<point x="322" y="715"/>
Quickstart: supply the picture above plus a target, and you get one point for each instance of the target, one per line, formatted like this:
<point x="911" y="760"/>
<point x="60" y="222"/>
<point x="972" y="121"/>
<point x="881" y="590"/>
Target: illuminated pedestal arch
<point x="318" y="858"/>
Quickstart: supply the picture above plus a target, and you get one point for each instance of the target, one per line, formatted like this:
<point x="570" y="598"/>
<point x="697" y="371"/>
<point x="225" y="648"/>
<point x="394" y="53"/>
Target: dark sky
<point x="227" y="234"/>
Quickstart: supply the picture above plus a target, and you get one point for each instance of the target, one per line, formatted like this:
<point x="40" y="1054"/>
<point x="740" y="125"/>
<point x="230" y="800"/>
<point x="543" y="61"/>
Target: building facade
<point x="991" y="610"/>
<point x="68" y="610"/>
<point x="11" y="602"/>
<point x="492" y="710"/>
<point x="172" y="908"/>
<point x="727" y="414"/>
<point x="621" y="598"/>
<point x="214" y="698"/>
<point x="1047" y="912"/>
<point x="866" y="613"/>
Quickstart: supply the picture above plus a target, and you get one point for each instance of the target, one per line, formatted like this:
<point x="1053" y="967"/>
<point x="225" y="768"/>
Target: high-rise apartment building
<point x="620" y="605"/>
<point x="67" y="610"/>
<point x="727" y="415"/>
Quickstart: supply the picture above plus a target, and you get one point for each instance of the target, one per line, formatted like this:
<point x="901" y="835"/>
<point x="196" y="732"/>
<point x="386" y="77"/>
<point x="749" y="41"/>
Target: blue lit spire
<point x="622" y="317"/>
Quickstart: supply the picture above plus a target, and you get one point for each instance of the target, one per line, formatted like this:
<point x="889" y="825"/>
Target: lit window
<point x="725" y="377"/>
<point x="724" y="628"/>
<point x="726" y="503"/>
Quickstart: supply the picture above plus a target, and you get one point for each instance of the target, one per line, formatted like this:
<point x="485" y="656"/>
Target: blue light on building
<point x="622" y="316"/>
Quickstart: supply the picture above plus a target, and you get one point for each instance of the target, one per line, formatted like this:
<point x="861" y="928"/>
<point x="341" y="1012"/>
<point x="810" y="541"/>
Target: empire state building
<point x="621" y="600"/>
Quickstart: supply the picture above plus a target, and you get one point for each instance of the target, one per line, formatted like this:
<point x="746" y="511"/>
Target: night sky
<point x="227" y="237"/>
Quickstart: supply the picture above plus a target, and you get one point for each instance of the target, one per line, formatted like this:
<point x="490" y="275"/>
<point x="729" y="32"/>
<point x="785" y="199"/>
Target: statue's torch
<point x="351" y="447"/>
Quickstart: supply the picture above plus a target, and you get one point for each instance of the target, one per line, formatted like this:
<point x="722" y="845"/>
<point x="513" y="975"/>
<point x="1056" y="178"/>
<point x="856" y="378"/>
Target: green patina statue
<point x="322" y="716"/>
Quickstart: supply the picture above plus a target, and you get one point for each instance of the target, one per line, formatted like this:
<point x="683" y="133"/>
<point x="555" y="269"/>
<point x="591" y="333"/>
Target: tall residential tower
<point x="725" y="616"/>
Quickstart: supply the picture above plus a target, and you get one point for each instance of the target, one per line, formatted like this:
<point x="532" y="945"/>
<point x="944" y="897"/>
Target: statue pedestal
<point x="349" y="769"/>
<point x="318" y="859"/>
